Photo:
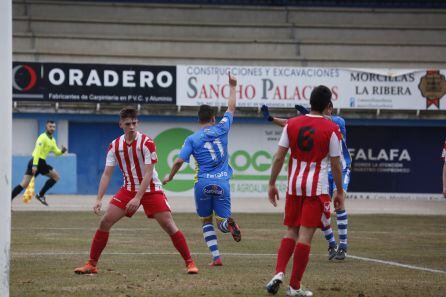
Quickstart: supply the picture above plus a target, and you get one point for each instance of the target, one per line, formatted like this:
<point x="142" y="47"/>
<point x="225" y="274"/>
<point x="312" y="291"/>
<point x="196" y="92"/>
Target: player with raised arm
<point x="135" y="154"/>
<point x="334" y="251"/>
<point x="315" y="144"/>
<point x="209" y="147"/>
<point x="45" y="144"/>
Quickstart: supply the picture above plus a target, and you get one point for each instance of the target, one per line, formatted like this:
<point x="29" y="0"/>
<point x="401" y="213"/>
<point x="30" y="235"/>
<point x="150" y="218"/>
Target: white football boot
<point x="300" y="293"/>
<point x="273" y="286"/>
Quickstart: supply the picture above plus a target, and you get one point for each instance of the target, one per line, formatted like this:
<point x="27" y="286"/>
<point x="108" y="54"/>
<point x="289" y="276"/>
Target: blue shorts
<point x="213" y="196"/>
<point x="345" y="181"/>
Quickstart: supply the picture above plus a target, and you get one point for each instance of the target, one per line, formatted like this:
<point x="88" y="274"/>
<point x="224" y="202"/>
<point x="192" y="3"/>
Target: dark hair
<point x="50" y="122"/>
<point x="205" y="114"/>
<point x="320" y="98"/>
<point x="128" y="112"/>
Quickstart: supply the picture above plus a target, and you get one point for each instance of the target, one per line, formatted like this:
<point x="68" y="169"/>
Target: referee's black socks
<point x="49" y="183"/>
<point x="16" y="191"/>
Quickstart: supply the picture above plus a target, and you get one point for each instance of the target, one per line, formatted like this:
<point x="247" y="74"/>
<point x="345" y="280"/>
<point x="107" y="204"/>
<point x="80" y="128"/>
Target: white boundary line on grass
<point x="390" y="263"/>
<point x="395" y="264"/>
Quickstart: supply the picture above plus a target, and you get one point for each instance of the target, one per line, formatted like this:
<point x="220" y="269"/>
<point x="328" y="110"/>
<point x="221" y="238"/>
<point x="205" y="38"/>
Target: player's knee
<point x="306" y="235"/>
<point x="105" y="224"/>
<point x="292" y="233"/>
<point x="166" y="222"/>
<point x="170" y="227"/>
<point x="56" y="177"/>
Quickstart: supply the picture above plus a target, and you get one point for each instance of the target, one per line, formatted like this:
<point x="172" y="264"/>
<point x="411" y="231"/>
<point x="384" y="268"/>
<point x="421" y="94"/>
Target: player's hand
<point x="34" y="170"/>
<point x="339" y="199"/>
<point x="133" y="205"/>
<point x="97" y="207"/>
<point x="166" y="180"/>
<point x="302" y="110"/>
<point x="273" y="195"/>
<point x="64" y="149"/>
<point x="265" y="112"/>
<point x="232" y="80"/>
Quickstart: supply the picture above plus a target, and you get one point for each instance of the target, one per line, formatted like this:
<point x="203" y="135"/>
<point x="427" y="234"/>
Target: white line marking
<point x="396" y="264"/>
<point x="391" y="263"/>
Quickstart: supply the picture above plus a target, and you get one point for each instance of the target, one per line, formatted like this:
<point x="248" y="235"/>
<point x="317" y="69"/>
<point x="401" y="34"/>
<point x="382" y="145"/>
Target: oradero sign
<point x="94" y="83"/>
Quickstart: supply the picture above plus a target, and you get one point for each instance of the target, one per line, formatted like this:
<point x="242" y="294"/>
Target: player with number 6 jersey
<point x="315" y="144"/>
<point x="209" y="147"/>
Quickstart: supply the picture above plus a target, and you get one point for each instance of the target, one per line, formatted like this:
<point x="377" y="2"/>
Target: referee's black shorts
<point x="42" y="168"/>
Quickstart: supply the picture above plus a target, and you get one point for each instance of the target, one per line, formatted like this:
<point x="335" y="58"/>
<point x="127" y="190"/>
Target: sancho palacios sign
<point x="94" y="83"/>
<point x="286" y="86"/>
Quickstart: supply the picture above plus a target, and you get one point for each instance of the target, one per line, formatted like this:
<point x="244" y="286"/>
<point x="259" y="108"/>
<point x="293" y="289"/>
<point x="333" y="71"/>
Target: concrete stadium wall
<point x="171" y="34"/>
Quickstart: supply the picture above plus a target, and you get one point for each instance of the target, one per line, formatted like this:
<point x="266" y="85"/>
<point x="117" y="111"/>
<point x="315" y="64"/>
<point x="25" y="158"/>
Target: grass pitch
<point x="140" y="260"/>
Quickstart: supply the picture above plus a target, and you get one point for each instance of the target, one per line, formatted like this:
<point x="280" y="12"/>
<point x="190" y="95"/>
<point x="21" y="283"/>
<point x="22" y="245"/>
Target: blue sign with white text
<point x="396" y="159"/>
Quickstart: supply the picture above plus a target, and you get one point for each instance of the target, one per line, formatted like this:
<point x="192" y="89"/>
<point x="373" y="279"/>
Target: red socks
<point x="179" y="241"/>
<point x="100" y="241"/>
<point x="284" y="253"/>
<point x="301" y="257"/>
<point x="97" y="246"/>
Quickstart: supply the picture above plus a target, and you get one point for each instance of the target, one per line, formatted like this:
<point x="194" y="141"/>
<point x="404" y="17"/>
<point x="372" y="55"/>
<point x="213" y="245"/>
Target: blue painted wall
<point x="65" y="165"/>
<point x="90" y="142"/>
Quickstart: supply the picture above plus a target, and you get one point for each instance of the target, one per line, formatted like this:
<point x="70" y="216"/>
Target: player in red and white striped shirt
<point x="315" y="144"/>
<point x="135" y="154"/>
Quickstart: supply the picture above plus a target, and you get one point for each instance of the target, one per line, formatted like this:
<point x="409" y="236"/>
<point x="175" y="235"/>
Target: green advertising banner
<point x="251" y="148"/>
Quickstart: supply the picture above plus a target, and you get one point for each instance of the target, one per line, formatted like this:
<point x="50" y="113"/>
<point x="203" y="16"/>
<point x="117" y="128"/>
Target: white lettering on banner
<point x="146" y="79"/>
<point x="383" y="155"/>
<point x="56" y="76"/>
<point x="128" y="79"/>
<point x="93" y="79"/>
<point x="110" y="78"/>
<point x="286" y="86"/>
<point x="164" y="75"/>
<point x="75" y="77"/>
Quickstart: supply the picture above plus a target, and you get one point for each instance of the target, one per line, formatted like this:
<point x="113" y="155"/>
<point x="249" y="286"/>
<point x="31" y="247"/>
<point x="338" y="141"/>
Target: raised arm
<point x="232" y="102"/>
<point x="176" y="166"/>
<point x="278" y="121"/>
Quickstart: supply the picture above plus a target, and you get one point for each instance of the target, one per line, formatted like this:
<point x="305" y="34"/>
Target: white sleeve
<point x="335" y="145"/>
<point x="147" y="155"/>
<point x="111" y="158"/>
<point x="149" y="151"/>
<point x="284" y="141"/>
